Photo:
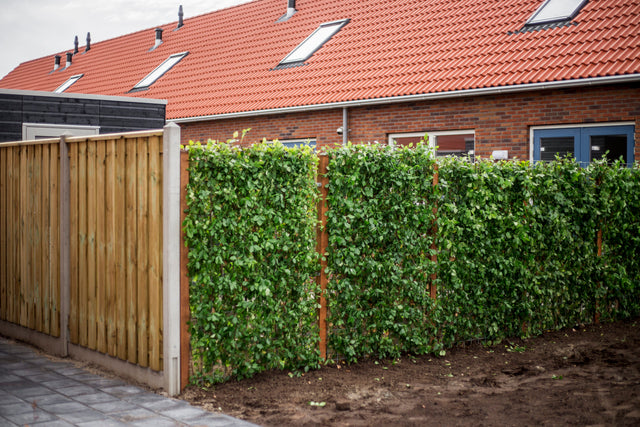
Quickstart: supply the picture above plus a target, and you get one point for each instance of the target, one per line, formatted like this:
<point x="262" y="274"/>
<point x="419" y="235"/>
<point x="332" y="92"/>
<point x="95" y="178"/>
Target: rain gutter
<point x="566" y="84"/>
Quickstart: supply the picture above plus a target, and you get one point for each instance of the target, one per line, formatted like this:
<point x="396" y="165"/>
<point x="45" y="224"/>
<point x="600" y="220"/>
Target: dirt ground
<point x="578" y="376"/>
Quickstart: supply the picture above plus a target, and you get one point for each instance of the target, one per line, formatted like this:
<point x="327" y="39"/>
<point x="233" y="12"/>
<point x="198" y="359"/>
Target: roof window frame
<point x="158" y="72"/>
<point x="535" y="20"/>
<point x="295" y="58"/>
<point x="68" y="83"/>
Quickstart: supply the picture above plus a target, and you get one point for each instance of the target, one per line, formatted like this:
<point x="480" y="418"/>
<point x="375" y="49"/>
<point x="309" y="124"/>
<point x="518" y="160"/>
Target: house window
<point x="298" y="142"/>
<point x="160" y="71"/>
<point x="556" y="11"/>
<point x="33" y="131"/>
<point x="66" y="85"/>
<point x="312" y="43"/>
<point x="447" y="143"/>
<point x="584" y="143"/>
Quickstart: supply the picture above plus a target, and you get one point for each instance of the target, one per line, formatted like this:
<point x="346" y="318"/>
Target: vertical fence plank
<point x="154" y="179"/>
<point x="4" y="248"/>
<point x="16" y="233"/>
<point x="45" y="295"/>
<point x="143" y="252"/>
<point x="55" y="248"/>
<point x="322" y="244"/>
<point x="91" y="210"/>
<point x="131" y="250"/>
<point x="6" y="174"/>
<point x="74" y="244"/>
<point x="120" y="249"/>
<point x="101" y="254"/>
<point x="109" y="248"/>
<point x="33" y="285"/>
<point x="36" y="240"/>
<point x="24" y="238"/>
<point x="83" y="276"/>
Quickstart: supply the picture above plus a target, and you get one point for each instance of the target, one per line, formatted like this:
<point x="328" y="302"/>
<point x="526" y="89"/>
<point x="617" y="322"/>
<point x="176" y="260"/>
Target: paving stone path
<point x="35" y="390"/>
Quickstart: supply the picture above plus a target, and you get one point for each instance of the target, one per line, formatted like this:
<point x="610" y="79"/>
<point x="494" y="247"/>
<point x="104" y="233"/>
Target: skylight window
<point x="314" y="42"/>
<point x="555" y="11"/>
<point x="66" y="85"/>
<point x="159" y="71"/>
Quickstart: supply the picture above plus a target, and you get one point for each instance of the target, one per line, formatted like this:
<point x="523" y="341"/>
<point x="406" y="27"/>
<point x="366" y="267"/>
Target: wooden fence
<point x="83" y="235"/>
<point x="116" y="246"/>
<point x="29" y="236"/>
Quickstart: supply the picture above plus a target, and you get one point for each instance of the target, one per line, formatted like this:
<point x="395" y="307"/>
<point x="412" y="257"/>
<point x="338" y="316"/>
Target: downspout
<point x="345" y="125"/>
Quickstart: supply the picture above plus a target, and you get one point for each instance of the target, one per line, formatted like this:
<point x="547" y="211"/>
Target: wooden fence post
<point x="185" y="312"/>
<point x="434" y="232"/>
<point x="599" y="244"/>
<point x="171" y="257"/>
<point x="323" y="242"/>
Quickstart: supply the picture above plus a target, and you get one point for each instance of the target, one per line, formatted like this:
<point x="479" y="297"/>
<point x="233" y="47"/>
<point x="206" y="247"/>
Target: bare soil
<point x="587" y="375"/>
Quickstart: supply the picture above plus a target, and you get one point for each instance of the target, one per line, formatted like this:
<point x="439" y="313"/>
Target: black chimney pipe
<point x="75" y="45"/>
<point x="56" y="62"/>
<point x="180" y="17"/>
<point x="88" y="48"/>
<point x="292" y="4"/>
<point x="158" y="39"/>
<point x="69" y="59"/>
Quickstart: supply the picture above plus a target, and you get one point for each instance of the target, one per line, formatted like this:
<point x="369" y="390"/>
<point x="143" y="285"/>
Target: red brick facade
<point x="500" y="122"/>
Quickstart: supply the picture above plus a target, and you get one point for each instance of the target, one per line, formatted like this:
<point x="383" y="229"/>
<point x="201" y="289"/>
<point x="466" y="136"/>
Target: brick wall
<point x="501" y="122"/>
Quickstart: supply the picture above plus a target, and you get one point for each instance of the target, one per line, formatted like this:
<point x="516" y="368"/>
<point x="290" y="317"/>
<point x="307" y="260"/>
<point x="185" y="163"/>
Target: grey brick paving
<point x="36" y="391"/>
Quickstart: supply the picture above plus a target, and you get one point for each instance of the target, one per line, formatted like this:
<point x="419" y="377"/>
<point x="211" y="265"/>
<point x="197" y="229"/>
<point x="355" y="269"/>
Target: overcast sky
<point x="31" y="29"/>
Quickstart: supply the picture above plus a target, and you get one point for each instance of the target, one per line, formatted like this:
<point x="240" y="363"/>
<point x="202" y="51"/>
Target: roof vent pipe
<point x="75" y="45"/>
<point x="88" y="48"/>
<point x="158" y="38"/>
<point x="180" y="17"/>
<point x="291" y="9"/>
<point x="69" y="60"/>
<point x="56" y="62"/>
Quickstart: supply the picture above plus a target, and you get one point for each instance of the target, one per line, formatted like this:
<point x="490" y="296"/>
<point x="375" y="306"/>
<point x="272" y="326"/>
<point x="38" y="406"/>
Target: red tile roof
<point x="390" y="48"/>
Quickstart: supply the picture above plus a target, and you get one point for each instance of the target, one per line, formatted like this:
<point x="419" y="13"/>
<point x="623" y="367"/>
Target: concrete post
<point x="171" y="257"/>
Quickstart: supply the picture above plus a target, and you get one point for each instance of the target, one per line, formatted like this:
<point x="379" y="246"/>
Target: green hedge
<point x="516" y="249"/>
<point x="251" y="231"/>
<point x="380" y="222"/>
<point x="519" y="248"/>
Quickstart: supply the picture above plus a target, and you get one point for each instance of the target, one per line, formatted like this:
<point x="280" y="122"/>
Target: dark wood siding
<point x="111" y="116"/>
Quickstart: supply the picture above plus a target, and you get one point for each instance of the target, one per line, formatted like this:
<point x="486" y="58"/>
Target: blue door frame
<point x="582" y="139"/>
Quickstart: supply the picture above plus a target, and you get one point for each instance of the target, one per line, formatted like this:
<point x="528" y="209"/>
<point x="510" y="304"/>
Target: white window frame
<point x="159" y="71"/>
<point x="544" y="14"/>
<point x="311" y="142"/>
<point x="70" y="82"/>
<point x="532" y="129"/>
<point x="33" y="131"/>
<point x="433" y="136"/>
<point x="314" y="42"/>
